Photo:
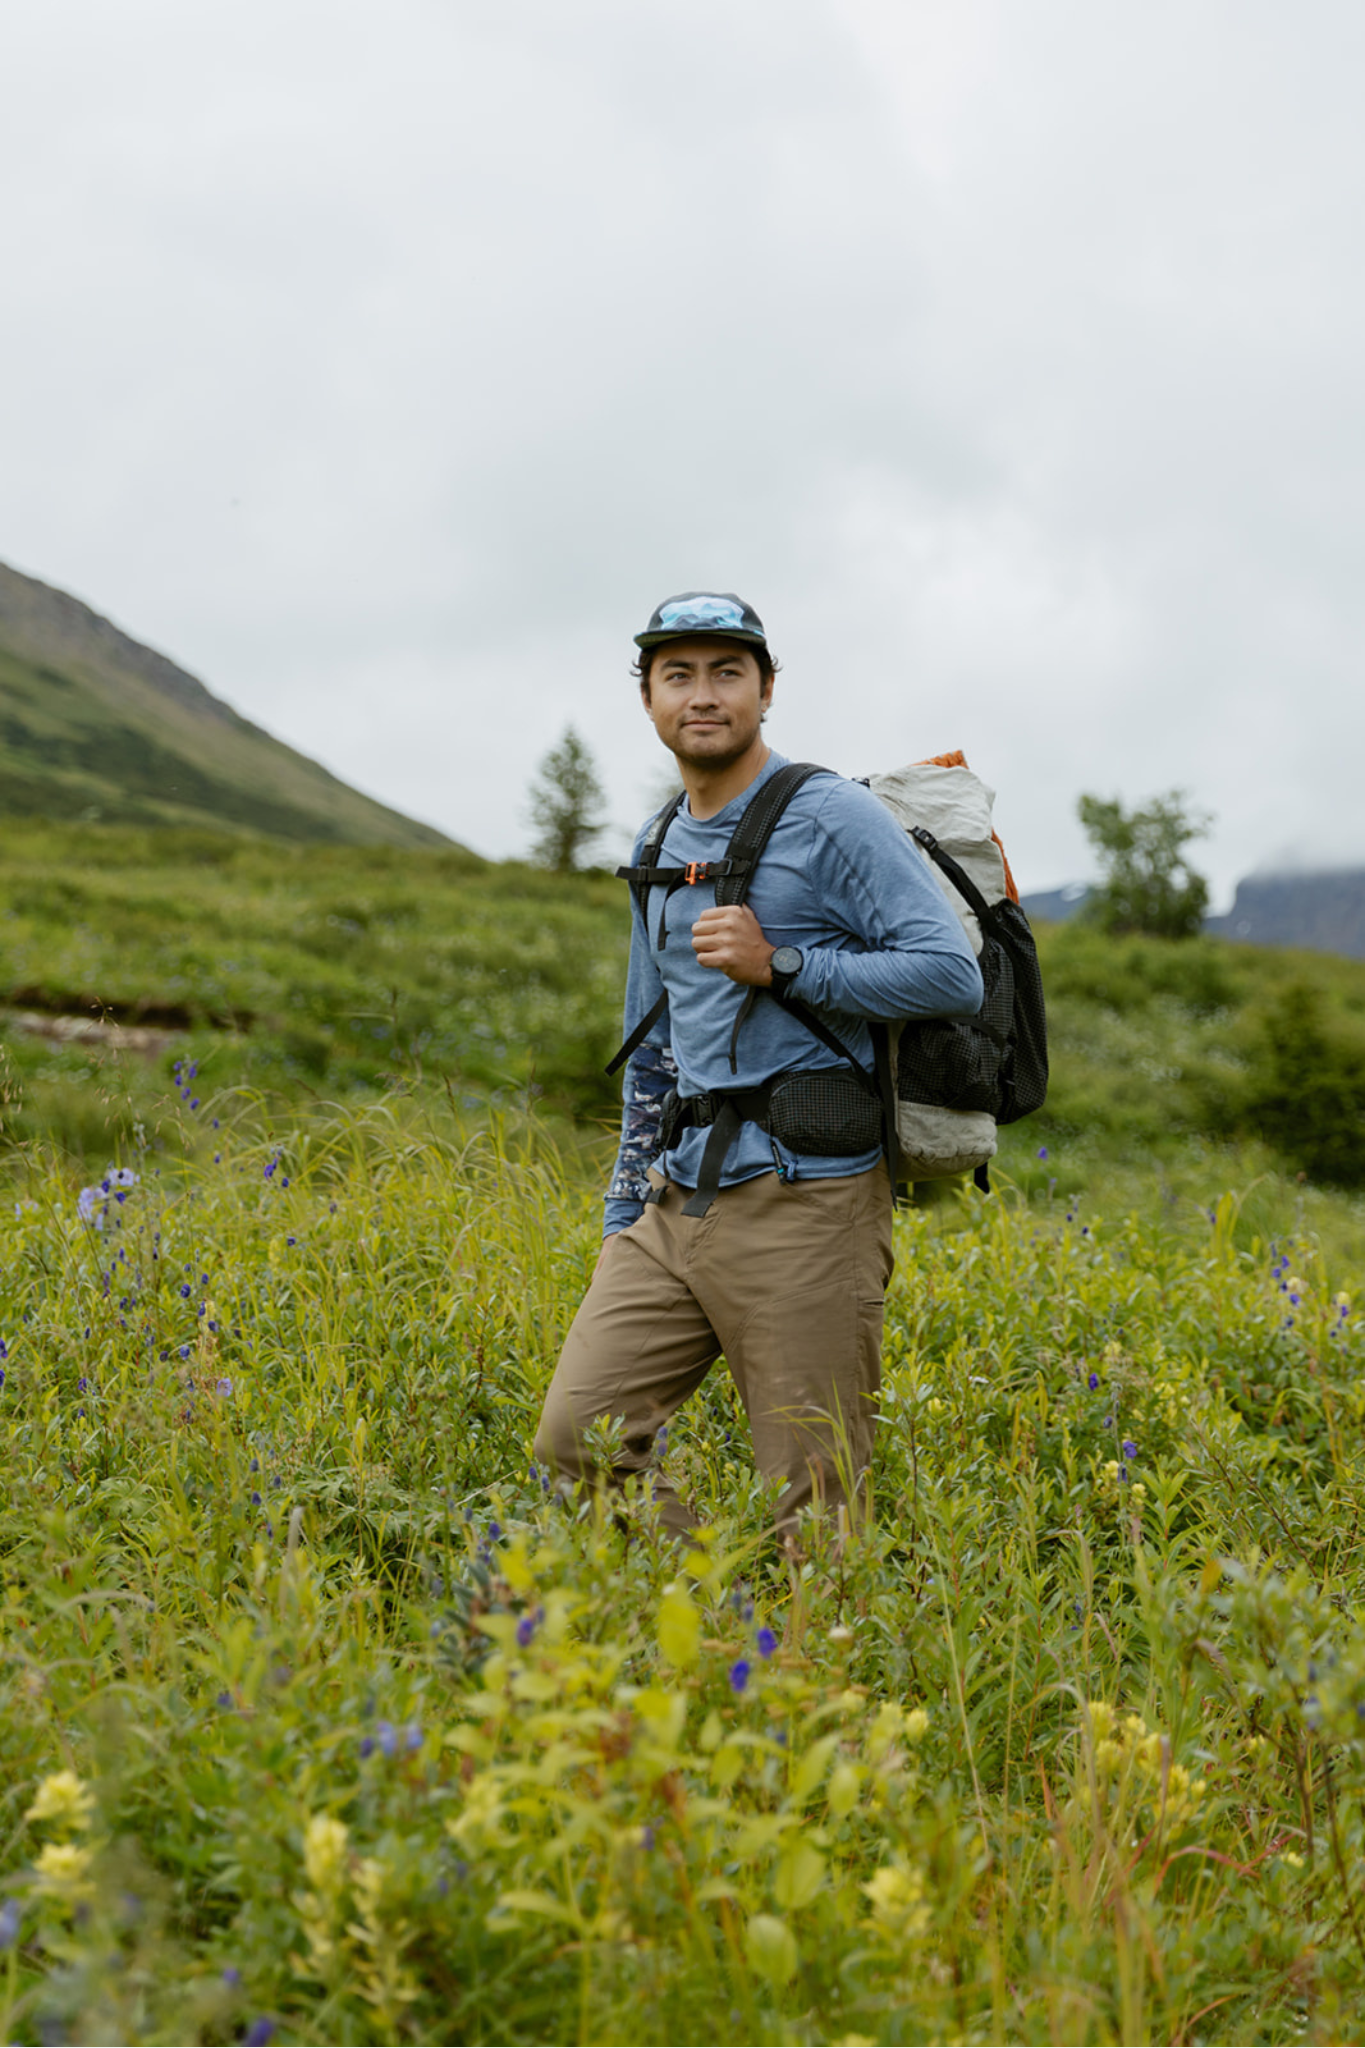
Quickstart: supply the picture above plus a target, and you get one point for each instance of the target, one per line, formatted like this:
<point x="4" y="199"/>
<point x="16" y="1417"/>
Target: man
<point x="770" y="1239"/>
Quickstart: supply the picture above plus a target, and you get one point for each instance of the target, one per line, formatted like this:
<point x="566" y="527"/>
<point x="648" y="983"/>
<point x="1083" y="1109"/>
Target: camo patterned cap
<point x="703" y="611"/>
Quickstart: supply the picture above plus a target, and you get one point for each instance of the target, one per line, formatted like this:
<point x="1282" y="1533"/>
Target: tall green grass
<point x="324" y="1719"/>
<point x="372" y="1738"/>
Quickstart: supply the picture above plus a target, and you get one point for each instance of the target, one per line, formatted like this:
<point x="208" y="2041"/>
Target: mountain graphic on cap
<point x="703" y="611"/>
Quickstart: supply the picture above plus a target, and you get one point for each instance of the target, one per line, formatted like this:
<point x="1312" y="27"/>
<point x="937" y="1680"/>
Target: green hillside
<point x="332" y="971"/>
<point x="93" y="725"/>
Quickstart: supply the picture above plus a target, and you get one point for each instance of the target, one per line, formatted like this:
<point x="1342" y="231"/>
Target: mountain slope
<point x="95" y="725"/>
<point x="1324" y="912"/>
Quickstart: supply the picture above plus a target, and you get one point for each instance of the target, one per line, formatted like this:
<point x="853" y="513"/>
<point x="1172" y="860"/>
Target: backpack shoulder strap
<point x="644" y="872"/>
<point x="755" y="828"/>
<point x="957" y="875"/>
<point x="640" y="877"/>
<point x="733" y="876"/>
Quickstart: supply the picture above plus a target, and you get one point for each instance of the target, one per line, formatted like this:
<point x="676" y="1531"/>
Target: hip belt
<point x="828" y="1112"/>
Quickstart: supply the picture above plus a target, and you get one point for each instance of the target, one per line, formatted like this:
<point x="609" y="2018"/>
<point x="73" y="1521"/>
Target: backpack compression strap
<point x="973" y="898"/>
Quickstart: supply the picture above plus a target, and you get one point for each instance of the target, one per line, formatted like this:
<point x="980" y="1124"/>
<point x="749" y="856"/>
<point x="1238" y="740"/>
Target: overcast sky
<point x="386" y="363"/>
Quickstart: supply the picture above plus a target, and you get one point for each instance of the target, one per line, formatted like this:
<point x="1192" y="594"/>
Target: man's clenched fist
<point x="731" y="938"/>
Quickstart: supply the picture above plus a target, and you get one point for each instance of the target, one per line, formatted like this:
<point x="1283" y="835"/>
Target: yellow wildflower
<point x="64" y="1872"/>
<point x="899" y="1909"/>
<point x="324" y="1853"/>
<point x="1102" y="1719"/>
<point x="64" y="1800"/>
<point x="1184" y="1795"/>
<point x="888" y="1726"/>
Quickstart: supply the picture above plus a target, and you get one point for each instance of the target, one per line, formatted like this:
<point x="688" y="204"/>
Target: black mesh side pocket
<point x="1023" y="1078"/>
<point x="954" y="1063"/>
<point x="829" y="1115"/>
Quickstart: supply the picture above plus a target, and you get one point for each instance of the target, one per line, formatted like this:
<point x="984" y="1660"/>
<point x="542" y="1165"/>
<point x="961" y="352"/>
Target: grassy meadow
<point x="321" y="1720"/>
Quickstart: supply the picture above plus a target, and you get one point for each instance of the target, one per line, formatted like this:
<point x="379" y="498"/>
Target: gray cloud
<point x="387" y="366"/>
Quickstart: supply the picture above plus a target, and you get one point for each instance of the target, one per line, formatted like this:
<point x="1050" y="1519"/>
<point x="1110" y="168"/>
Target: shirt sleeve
<point x="910" y="956"/>
<point x="650" y="1072"/>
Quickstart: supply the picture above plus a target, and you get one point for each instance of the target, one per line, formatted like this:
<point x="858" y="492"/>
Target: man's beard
<point x="720" y="757"/>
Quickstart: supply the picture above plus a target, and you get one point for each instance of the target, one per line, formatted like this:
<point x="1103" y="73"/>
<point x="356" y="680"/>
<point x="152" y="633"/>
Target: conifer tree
<point x="568" y="805"/>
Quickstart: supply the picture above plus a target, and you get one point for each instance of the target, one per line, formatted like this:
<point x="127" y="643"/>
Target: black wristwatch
<point x="785" y="965"/>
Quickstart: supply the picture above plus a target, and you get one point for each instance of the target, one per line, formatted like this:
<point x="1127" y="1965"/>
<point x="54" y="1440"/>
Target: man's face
<point x="706" y="697"/>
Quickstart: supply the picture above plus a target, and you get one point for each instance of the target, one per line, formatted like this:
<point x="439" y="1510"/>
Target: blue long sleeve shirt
<point x="841" y="880"/>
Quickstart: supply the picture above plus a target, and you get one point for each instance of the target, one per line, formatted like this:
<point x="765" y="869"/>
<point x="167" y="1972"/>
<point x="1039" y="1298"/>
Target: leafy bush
<point x="1305" y="1091"/>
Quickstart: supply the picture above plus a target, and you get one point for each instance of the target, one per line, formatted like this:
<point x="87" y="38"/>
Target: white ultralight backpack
<point x="954" y="806"/>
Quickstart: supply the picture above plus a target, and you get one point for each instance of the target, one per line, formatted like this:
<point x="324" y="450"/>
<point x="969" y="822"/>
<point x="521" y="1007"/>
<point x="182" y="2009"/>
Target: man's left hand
<point x="731" y="938"/>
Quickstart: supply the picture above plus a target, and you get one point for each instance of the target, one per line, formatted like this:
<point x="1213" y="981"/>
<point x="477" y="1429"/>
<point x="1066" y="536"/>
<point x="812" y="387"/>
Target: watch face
<point x="786" y="960"/>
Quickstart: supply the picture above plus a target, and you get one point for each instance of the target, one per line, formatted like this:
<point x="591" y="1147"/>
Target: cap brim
<point x="696" y="633"/>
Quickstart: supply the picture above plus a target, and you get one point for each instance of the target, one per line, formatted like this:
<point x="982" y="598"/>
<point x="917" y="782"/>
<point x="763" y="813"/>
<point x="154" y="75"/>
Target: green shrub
<point x="1305" y="1089"/>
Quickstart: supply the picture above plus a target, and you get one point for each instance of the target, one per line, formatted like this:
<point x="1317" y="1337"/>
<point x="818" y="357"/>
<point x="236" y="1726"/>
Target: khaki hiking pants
<point x="787" y="1279"/>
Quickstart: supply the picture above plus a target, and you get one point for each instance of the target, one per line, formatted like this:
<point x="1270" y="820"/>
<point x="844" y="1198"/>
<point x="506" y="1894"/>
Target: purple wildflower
<point x="1093" y="1381"/>
<point x="739" y="1674"/>
<point x="1129" y="1448"/>
<point x="767" y="1642"/>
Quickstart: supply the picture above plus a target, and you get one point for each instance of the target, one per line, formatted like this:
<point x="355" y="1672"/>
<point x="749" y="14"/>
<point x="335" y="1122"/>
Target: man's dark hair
<point x="644" y="661"/>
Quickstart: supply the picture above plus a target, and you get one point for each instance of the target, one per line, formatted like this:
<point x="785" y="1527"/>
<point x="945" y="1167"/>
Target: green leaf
<point x="771" y="1948"/>
<point x="799" y="1876"/>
